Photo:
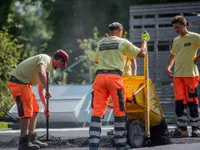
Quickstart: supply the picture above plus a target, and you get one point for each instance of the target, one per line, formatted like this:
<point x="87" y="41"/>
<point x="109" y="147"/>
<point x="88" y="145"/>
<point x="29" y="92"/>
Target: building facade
<point x="156" y="20"/>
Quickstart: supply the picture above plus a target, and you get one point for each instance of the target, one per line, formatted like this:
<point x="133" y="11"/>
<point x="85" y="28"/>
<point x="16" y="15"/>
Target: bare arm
<point x="134" y="67"/>
<point x="196" y="59"/>
<point x="42" y="88"/>
<point x="170" y="64"/>
<point x="43" y="76"/>
<point x="41" y="92"/>
<point x="143" y="51"/>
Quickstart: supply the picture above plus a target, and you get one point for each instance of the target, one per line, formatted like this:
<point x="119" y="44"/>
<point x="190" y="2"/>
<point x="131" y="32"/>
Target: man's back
<point x="111" y="51"/>
<point x="27" y="70"/>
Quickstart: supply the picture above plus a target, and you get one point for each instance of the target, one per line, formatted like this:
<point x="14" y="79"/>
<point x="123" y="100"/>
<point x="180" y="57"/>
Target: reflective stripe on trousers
<point x="195" y="122"/>
<point x="120" y="131"/>
<point x="95" y="131"/>
<point x="182" y="121"/>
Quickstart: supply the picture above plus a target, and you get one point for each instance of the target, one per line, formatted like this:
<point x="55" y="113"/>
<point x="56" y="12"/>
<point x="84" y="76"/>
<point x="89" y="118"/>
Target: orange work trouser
<point x="104" y="86"/>
<point x="185" y="88"/>
<point x="25" y="99"/>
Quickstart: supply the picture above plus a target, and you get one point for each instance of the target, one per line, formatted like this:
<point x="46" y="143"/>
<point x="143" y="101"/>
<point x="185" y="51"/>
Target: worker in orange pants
<point x="185" y="77"/>
<point x="130" y="69"/>
<point x="110" y="58"/>
<point x="33" y="71"/>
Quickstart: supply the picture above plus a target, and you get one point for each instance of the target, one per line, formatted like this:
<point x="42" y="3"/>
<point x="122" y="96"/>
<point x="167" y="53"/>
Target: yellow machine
<point x="145" y="116"/>
<point x="144" y="112"/>
<point x="139" y="105"/>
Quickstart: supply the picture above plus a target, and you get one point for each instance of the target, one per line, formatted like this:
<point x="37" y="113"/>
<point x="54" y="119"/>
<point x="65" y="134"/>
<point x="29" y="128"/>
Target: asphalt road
<point x="77" y="137"/>
<point x="166" y="147"/>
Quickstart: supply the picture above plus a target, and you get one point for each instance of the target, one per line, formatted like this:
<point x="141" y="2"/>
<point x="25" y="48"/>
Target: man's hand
<point x="145" y="36"/>
<point x="47" y="95"/>
<point x="170" y="74"/>
<point x="46" y="112"/>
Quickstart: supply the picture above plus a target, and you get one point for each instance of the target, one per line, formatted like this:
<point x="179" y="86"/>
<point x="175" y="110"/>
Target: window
<point x="149" y="26"/>
<point x="164" y="25"/>
<point x="149" y="16"/>
<point x="137" y="27"/>
<point x="167" y="15"/>
<point x="191" y="14"/>
<point x="163" y="46"/>
<point x="137" y="44"/>
<point x="150" y="46"/>
<point x="138" y="17"/>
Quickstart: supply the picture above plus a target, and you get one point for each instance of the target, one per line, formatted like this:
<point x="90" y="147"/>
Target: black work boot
<point x="94" y="148"/>
<point x="127" y="147"/>
<point x="195" y="132"/>
<point x="111" y="133"/>
<point x="25" y="144"/>
<point x="33" y="139"/>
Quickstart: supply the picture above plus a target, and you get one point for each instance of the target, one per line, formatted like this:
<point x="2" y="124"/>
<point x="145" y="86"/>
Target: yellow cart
<point x="144" y="112"/>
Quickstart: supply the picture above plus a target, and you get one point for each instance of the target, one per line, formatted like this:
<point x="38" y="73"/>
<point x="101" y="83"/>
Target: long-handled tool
<point x="146" y="121"/>
<point x="48" y="136"/>
<point x="146" y="92"/>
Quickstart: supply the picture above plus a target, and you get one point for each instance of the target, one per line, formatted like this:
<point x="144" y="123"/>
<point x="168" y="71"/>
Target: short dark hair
<point x="115" y="26"/>
<point x="57" y="56"/>
<point x="179" y="19"/>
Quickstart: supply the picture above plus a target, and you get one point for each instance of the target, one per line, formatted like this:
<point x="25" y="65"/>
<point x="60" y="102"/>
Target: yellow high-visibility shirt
<point x="28" y="71"/>
<point x="185" y="49"/>
<point x="111" y="51"/>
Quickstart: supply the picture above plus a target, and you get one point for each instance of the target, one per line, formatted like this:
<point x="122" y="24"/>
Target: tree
<point x="23" y="34"/>
<point x="76" y="19"/>
<point x="88" y="46"/>
<point x="4" y="7"/>
<point x="9" y="56"/>
<point x="32" y="27"/>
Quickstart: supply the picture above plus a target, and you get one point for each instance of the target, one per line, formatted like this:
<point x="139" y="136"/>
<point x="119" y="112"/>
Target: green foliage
<point x="31" y="26"/>
<point x="9" y="56"/>
<point x="58" y="77"/>
<point x="4" y="125"/>
<point x="88" y="65"/>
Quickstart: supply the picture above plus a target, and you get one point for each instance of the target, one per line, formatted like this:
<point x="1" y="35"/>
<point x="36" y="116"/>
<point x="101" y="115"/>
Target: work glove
<point x="145" y="36"/>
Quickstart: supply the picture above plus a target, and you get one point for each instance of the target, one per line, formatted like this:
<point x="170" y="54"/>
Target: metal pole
<point x="90" y="71"/>
<point x="47" y="119"/>
<point x="147" y="105"/>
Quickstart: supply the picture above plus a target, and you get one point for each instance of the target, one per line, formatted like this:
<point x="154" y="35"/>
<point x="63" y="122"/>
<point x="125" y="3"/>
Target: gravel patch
<point x="106" y="142"/>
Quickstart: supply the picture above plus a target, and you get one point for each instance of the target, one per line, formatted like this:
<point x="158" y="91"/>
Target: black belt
<point x="117" y="72"/>
<point x="15" y="80"/>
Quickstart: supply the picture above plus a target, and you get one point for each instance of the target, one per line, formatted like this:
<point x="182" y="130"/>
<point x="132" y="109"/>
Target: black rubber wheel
<point x="160" y="134"/>
<point x="136" y="134"/>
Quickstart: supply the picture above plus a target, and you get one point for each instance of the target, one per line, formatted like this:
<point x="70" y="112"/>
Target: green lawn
<point x="4" y="125"/>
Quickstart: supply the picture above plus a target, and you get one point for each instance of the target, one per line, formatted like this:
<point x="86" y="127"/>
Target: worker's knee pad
<point x="193" y="107"/>
<point x="121" y="99"/>
<point x="92" y="99"/>
<point x="179" y="108"/>
<point x="192" y="92"/>
<point x="20" y="106"/>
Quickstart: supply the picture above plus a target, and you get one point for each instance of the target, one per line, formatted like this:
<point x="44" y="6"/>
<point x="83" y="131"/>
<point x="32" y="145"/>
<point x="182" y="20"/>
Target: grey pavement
<point x="63" y="133"/>
<point x="195" y="146"/>
<point x="71" y="133"/>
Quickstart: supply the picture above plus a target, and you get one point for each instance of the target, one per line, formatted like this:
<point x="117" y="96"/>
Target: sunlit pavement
<point x="179" y="143"/>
